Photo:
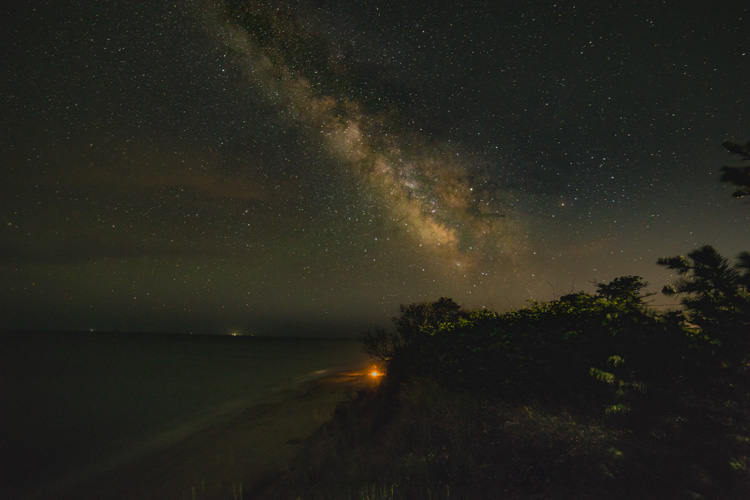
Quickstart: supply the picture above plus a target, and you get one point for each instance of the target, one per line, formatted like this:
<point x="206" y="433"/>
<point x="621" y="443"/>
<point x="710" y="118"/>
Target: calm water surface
<point x="73" y="405"/>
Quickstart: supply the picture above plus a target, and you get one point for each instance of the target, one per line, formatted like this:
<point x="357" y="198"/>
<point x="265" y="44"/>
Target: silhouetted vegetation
<point x="716" y="298"/>
<point x="737" y="175"/>
<point x="625" y="288"/>
<point x="588" y="396"/>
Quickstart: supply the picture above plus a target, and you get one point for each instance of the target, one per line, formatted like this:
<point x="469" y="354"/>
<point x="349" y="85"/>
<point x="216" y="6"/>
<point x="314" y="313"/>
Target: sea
<point x="76" y="405"/>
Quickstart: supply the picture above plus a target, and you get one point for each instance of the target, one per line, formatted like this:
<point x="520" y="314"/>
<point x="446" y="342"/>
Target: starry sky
<point x="304" y="167"/>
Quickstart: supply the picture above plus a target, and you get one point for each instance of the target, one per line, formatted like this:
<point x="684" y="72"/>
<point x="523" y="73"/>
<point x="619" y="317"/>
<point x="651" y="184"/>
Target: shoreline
<point x="232" y="456"/>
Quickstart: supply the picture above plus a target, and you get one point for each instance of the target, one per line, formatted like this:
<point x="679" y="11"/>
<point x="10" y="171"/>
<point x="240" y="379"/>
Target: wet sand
<point x="231" y="457"/>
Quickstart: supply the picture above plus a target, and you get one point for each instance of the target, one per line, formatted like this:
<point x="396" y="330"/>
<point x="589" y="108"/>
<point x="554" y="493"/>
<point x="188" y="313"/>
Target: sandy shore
<point x="233" y="456"/>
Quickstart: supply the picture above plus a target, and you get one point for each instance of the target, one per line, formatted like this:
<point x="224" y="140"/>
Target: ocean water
<point x="76" y="405"/>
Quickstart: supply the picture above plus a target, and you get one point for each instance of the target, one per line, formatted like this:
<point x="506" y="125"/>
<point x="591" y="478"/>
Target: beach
<point x="234" y="456"/>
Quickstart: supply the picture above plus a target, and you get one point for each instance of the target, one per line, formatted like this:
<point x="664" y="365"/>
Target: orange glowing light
<point x="375" y="372"/>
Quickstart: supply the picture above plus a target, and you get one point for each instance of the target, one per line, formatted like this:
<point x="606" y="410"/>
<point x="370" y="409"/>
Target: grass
<point x="421" y="440"/>
<point x="588" y="396"/>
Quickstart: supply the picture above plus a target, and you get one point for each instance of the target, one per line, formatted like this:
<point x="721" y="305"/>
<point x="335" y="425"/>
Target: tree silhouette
<point x="707" y="270"/>
<point x="415" y="321"/>
<point x="628" y="289"/>
<point x="737" y="175"/>
<point x="380" y="343"/>
<point x="415" y="318"/>
<point x="716" y="295"/>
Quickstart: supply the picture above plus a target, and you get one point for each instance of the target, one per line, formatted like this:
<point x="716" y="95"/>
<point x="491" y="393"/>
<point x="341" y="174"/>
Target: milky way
<point x="430" y="190"/>
<point x="285" y="166"/>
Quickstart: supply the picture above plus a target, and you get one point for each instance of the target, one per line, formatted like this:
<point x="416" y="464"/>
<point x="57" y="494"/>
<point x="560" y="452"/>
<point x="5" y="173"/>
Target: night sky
<point x="290" y="167"/>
